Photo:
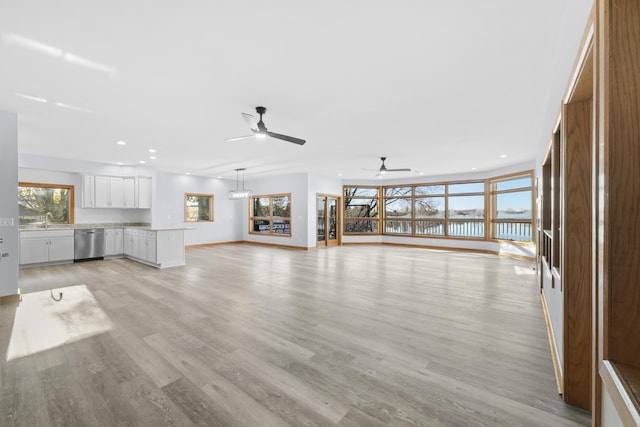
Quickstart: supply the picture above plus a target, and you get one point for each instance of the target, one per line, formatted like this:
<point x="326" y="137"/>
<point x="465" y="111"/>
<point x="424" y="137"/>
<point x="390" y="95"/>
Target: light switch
<point x="6" y="222"/>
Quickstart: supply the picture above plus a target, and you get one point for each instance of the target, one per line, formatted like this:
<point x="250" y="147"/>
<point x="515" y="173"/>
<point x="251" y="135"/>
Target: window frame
<point x="347" y="219"/>
<point x="445" y="221"/>
<point x="199" y="195"/>
<point x="271" y="218"/>
<point x="69" y="187"/>
<point x="494" y="192"/>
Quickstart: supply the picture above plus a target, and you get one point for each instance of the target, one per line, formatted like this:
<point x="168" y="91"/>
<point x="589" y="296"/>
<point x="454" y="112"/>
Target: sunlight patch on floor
<point x="41" y="323"/>
<point x="524" y="271"/>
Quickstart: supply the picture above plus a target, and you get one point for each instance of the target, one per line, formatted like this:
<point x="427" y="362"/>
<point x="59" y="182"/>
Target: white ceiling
<point x="437" y="86"/>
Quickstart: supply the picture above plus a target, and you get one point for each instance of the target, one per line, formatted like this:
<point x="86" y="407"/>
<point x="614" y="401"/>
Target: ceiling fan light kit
<point x="260" y="130"/>
<point x="240" y="193"/>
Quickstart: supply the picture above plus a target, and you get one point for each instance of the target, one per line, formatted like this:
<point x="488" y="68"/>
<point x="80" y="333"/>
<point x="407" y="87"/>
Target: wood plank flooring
<point x="245" y="335"/>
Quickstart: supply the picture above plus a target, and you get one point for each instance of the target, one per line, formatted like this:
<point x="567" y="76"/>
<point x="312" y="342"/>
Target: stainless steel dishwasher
<point x="88" y="243"/>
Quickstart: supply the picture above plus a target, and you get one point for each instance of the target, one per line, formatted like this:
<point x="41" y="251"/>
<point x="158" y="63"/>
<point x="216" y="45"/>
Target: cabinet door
<point x="60" y="248"/>
<point x="151" y="247"/>
<point x="116" y="192"/>
<point x="129" y="191"/>
<point x="88" y="191"/>
<point x="128" y="243"/>
<point x="102" y="199"/>
<point x="118" y="243"/>
<point x="144" y="192"/>
<point x="34" y="250"/>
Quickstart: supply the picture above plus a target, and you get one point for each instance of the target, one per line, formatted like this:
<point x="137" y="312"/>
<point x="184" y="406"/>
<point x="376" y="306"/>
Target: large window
<point x="448" y="209"/>
<point x="512" y="213"/>
<point x="451" y="209"/>
<point x="198" y="207"/>
<point x="270" y="214"/>
<point x="361" y="210"/>
<point x="41" y="204"/>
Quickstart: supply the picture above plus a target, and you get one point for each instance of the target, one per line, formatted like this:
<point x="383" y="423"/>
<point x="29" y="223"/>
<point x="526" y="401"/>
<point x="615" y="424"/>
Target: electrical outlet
<point x="6" y="222"/>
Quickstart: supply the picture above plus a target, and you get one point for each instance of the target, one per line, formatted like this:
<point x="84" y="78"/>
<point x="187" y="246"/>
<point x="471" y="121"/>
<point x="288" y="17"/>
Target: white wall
<point x="169" y="208"/>
<point x="610" y="417"/>
<point x="9" y="263"/>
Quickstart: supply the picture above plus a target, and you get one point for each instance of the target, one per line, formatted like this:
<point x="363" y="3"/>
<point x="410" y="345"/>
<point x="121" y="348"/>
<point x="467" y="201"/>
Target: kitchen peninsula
<point x="158" y="247"/>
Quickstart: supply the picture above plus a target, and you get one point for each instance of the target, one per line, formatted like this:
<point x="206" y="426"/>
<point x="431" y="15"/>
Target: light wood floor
<point x="254" y="336"/>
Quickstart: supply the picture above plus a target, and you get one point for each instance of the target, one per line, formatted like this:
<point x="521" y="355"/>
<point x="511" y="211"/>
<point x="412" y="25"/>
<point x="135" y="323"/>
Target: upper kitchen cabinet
<point x="144" y="192"/>
<point x="116" y="192"/>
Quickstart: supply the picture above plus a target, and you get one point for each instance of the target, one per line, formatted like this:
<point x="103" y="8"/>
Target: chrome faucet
<point x="47" y="216"/>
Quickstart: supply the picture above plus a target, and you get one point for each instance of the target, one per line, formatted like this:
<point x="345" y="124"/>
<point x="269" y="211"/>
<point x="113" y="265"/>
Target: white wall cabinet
<point x="116" y="192"/>
<point x="88" y="191"/>
<point x="113" y="241"/>
<point x="46" y="246"/>
<point x="144" y="192"/>
<point x="129" y="193"/>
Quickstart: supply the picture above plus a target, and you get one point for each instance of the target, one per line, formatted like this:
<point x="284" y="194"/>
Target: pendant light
<point x="240" y="193"/>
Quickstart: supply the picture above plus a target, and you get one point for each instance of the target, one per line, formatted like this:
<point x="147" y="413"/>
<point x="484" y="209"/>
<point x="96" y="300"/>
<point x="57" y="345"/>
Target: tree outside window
<point x="40" y="204"/>
<point x="198" y="207"/>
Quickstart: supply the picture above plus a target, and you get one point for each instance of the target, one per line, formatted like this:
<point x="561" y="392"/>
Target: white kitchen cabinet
<point x="158" y="248"/>
<point x="148" y="248"/>
<point x="88" y="191"/>
<point x="102" y="196"/>
<point x="116" y="192"/>
<point x="113" y="241"/>
<point x="131" y="243"/>
<point x="129" y="192"/>
<point x="144" y="192"/>
<point x="44" y="246"/>
<point x="109" y="192"/>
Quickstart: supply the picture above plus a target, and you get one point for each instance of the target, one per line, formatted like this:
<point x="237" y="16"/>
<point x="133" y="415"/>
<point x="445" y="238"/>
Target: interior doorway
<point x="328" y="220"/>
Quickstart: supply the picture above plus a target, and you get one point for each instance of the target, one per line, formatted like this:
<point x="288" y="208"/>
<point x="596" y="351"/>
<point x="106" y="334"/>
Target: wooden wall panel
<point x="622" y="181"/>
<point x="576" y="252"/>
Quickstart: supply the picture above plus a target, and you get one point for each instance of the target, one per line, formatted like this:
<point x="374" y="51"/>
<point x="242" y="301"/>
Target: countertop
<point x="137" y="226"/>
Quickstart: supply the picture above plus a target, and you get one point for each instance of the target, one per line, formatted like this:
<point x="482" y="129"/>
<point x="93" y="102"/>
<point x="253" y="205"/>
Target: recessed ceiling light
<point x="153" y="157"/>
<point x="187" y="173"/>
<point x="473" y="169"/>
<point x="420" y="173"/>
<point x="142" y="161"/>
<point x="339" y="174"/>
<point x="152" y="150"/>
<point x="120" y="163"/>
<point x="121" y="143"/>
<point x="219" y="177"/>
<point x="502" y="156"/>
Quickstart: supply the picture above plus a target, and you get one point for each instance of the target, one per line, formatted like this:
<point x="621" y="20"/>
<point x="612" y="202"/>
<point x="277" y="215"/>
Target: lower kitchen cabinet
<point x="113" y="241"/>
<point x="46" y="246"/>
<point x="159" y="248"/>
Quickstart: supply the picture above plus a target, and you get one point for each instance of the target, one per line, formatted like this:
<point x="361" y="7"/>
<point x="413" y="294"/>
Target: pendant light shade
<point x="240" y="193"/>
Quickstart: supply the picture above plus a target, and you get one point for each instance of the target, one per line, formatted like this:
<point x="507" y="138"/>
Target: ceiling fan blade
<point x="399" y="170"/>
<point x="286" y="138"/>
<point x="239" y="138"/>
<point x="251" y="121"/>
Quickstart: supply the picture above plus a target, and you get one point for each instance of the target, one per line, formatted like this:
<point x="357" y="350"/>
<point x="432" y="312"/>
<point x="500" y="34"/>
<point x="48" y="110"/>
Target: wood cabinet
<point x="116" y="192"/>
<point x="113" y="241"/>
<point x="46" y="246"/>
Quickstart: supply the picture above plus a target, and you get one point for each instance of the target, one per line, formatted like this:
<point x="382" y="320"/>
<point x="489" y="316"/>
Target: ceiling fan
<point x="383" y="168"/>
<point x="260" y="130"/>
